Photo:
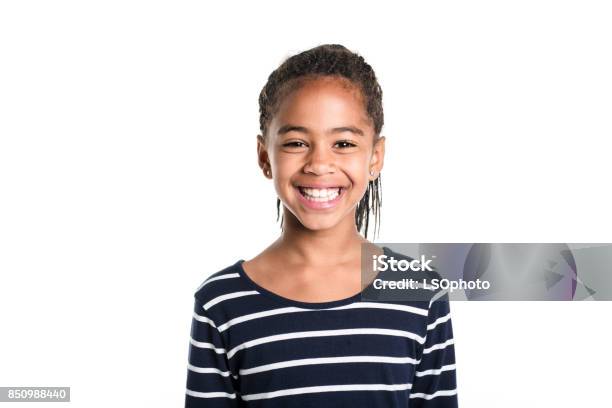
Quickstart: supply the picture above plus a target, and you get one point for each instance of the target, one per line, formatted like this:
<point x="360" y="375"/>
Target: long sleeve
<point x="209" y="381"/>
<point x="435" y="380"/>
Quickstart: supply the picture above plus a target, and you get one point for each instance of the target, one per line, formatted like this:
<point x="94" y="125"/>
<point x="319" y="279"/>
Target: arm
<point x="209" y="381"/>
<point x="435" y="383"/>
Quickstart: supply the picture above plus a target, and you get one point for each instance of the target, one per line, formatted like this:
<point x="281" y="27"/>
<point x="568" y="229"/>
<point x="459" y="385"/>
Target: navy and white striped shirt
<point x="252" y="348"/>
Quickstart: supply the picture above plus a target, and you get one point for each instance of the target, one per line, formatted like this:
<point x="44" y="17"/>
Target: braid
<point x="329" y="60"/>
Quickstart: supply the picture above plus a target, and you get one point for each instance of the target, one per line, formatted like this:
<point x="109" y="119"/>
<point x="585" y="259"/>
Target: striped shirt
<point x="253" y="348"/>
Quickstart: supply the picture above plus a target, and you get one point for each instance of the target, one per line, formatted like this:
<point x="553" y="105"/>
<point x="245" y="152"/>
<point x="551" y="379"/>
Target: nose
<point x="320" y="160"/>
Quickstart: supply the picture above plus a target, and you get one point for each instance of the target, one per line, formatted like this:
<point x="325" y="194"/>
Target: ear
<point x="378" y="157"/>
<point x="263" y="159"/>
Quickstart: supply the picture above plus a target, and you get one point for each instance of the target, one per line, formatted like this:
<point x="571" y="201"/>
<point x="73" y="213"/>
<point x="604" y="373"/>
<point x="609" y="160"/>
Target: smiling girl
<point x="289" y="328"/>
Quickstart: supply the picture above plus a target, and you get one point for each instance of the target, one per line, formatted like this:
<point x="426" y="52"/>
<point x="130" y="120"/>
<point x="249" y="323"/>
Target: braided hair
<point x="329" y="60"/>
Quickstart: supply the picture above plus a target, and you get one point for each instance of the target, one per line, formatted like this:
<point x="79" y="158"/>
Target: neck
<point x="339" y="244"/>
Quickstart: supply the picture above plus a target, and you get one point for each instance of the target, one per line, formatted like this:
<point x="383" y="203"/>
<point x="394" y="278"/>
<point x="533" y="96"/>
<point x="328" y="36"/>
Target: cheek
<point x="285" y="167"/>
<point x="357" y="170"/>
<point x="283" y="170"/>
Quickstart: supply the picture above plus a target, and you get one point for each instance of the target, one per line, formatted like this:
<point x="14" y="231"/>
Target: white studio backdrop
<point x="128" y="174"/>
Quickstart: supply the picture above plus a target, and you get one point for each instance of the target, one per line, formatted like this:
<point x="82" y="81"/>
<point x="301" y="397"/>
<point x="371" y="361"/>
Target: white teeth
<point x="320" y="195"/>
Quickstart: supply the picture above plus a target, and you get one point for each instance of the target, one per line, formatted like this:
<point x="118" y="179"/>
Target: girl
<point x="289" y="328"/>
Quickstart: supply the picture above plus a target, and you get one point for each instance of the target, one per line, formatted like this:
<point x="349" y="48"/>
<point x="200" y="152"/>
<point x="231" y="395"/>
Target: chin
<point x="318" y="222"/>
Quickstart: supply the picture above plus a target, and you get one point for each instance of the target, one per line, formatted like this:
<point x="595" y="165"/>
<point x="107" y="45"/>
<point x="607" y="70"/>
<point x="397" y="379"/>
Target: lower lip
<point x="320" y="205"/>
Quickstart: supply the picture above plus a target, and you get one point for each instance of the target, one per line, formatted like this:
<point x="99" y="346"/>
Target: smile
<point x="320" y="195"/>
<point x="320" y="198"/>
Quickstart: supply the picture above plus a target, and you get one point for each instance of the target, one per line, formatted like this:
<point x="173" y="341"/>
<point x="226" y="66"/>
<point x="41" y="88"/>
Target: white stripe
<point x="258" y="315"/>
<point x="327" y="388"/>
<point x="356" y="305"/>
<point x="440" y="393"/>
<point x="437" y="296"/>
<point x="438" y="321"/>
<point x="232" y="295"/>
<point x="210" y="394"/>
<point x="448" y="367"/>
<point x="439" y="346"/>
<point x="227" y="276"/>
<point x="203" y="344"/>
<point x="323" y="333"/>
<point x="207" y="370"/>
<point x="203" y="319"/>
<point x="329" y="360"/>
<point x="383" y="305"/>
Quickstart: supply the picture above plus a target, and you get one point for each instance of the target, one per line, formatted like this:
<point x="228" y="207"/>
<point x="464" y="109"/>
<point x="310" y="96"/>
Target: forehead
<point x="322" y="101"/>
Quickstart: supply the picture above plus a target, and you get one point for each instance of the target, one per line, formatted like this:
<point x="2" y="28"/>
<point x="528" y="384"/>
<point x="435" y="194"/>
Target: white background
<point x="128" y="174"/>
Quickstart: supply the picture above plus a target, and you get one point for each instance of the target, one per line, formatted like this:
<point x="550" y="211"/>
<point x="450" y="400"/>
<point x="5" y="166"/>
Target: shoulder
<point x="218" y="283"/>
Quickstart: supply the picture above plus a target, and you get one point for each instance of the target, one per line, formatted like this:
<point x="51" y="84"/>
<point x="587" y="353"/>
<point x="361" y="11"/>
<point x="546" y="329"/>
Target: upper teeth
<point x="328" y="193"/>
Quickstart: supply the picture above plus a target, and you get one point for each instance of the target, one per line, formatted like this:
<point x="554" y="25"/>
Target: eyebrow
<point x="289" y="128"/>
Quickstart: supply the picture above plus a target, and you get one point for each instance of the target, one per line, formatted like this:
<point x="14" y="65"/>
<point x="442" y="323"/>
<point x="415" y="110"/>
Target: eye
<point x="296" y="143"/>
<point x="345" y="144"/>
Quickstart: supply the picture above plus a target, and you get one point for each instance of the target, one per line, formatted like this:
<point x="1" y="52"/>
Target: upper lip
<point x="319" y="185"/>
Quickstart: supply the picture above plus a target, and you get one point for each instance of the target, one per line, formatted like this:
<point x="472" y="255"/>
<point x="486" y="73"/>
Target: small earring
<point x="267" y="172"/>
<point x="371" y="172"/>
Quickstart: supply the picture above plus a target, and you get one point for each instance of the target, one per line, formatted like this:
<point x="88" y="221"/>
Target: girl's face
<point x="320" y="150"/>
